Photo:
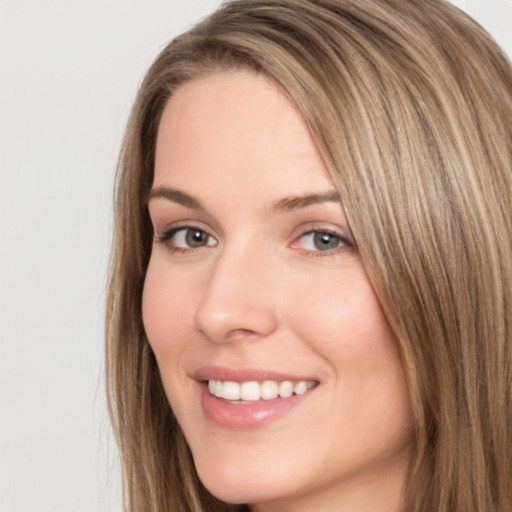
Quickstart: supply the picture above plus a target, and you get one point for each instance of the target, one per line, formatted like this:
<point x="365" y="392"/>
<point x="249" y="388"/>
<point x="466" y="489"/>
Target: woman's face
<point x="256" y="290"/>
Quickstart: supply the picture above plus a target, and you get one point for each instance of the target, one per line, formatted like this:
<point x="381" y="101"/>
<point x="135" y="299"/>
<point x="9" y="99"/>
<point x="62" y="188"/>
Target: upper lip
<point x="244" y="375"/>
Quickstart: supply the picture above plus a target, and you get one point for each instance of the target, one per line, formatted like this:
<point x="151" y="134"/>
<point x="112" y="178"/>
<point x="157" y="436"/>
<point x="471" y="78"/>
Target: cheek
<point x="345" y="325"/>
<point x="162" y="303"/>
<point x="344" y="320"/>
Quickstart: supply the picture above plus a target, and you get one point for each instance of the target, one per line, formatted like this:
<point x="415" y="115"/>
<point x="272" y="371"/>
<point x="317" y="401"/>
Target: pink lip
<point x="250" y="415"/>
<point x="243" y="375"/>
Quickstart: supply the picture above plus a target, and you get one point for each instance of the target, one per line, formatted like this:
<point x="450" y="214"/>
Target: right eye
<point x="185" y="238"/>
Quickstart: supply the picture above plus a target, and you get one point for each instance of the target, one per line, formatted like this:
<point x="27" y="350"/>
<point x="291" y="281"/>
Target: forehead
<point x="236" y="127"/>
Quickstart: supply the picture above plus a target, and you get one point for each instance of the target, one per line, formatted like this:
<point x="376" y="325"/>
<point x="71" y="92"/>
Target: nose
<point x="237" y="302"/>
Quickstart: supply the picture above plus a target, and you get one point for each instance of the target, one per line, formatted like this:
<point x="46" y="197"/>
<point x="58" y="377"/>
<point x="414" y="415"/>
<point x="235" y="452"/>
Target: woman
<point x="312" y="280"/>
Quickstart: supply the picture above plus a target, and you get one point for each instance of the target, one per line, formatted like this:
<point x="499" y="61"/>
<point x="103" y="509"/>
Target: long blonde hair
<point x="410" y="104"/>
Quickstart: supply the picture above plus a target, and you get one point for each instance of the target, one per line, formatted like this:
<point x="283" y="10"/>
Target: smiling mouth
<point x="253" y="391"/>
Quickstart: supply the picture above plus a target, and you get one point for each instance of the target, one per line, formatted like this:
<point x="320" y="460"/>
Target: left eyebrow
<point x="295" y="202"/>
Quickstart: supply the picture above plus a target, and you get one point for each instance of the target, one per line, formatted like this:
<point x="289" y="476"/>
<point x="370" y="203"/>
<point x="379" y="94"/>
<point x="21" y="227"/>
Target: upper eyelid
<point x="163" y="222"/>
<point x="345" y="240"/>
<point x="194" y="229"/>
<point x="176" y="226"/>
<point x="342" y="232"/>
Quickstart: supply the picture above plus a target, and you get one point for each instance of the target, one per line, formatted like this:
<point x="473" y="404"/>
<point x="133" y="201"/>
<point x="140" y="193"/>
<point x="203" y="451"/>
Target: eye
<point x="321" y="241"/>
<point x="185" y="238"/>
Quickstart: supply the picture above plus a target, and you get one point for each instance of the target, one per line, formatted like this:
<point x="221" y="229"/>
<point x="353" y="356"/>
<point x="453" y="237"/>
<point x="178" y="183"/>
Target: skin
<point x="260" y="294"/>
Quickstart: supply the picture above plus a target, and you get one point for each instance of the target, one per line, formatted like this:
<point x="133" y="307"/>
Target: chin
<point x="242" y="486"/>
<point x="235" y="493"/>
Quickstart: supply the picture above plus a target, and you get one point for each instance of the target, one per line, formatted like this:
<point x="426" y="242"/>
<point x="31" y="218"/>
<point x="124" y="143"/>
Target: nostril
<point x="236" y="334"/>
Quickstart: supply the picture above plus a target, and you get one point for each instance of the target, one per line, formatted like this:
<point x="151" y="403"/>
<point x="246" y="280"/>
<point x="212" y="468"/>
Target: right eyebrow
<point x="176" y="196"/>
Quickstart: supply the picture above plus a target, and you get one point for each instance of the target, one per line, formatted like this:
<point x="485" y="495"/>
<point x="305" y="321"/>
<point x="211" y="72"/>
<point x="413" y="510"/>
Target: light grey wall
<point x="69" y="70"/>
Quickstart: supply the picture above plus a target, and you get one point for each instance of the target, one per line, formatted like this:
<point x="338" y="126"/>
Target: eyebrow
<point x="285" y="204"/>
<point x="176" y="196"/>
<point x="295" y="202"/>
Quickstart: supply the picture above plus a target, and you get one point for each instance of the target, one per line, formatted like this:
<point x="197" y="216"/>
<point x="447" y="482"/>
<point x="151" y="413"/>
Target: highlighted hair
<point x="410" y="105"/>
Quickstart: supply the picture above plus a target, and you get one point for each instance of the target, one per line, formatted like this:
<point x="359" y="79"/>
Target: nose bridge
<point x="237" y="299"/>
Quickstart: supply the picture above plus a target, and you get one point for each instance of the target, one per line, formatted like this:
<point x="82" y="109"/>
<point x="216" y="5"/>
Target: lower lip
<point x="248" y="415"/>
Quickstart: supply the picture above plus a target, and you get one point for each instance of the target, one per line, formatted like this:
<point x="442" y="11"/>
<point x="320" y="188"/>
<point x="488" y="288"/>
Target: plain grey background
<point x="69" y="70"/>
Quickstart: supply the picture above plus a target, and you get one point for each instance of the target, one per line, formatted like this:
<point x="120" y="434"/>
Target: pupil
<point x="324" y="241"/>
<point x="195" y="238"/>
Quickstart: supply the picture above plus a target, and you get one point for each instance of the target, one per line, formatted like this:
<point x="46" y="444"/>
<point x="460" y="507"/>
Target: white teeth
<point x="218" y="389"/>
<point x="285" y="389"/>
<point x="253" y="391"/>
<point x="300" y="388"/>
<point x="269" y="390"/>
<point x="250" y="391"/>
<point x="231" y="391"/>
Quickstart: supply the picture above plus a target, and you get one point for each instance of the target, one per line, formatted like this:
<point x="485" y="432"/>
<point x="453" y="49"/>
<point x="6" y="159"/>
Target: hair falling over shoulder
<point x="410" y="105"/>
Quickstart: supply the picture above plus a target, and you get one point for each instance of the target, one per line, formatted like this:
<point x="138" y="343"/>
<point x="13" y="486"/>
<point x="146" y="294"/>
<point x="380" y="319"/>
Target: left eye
<point x="320" y="241"/>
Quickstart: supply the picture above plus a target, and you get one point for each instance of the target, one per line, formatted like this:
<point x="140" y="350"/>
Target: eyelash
<point x="345" y="243"/>
<point x="168" y="235"/>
